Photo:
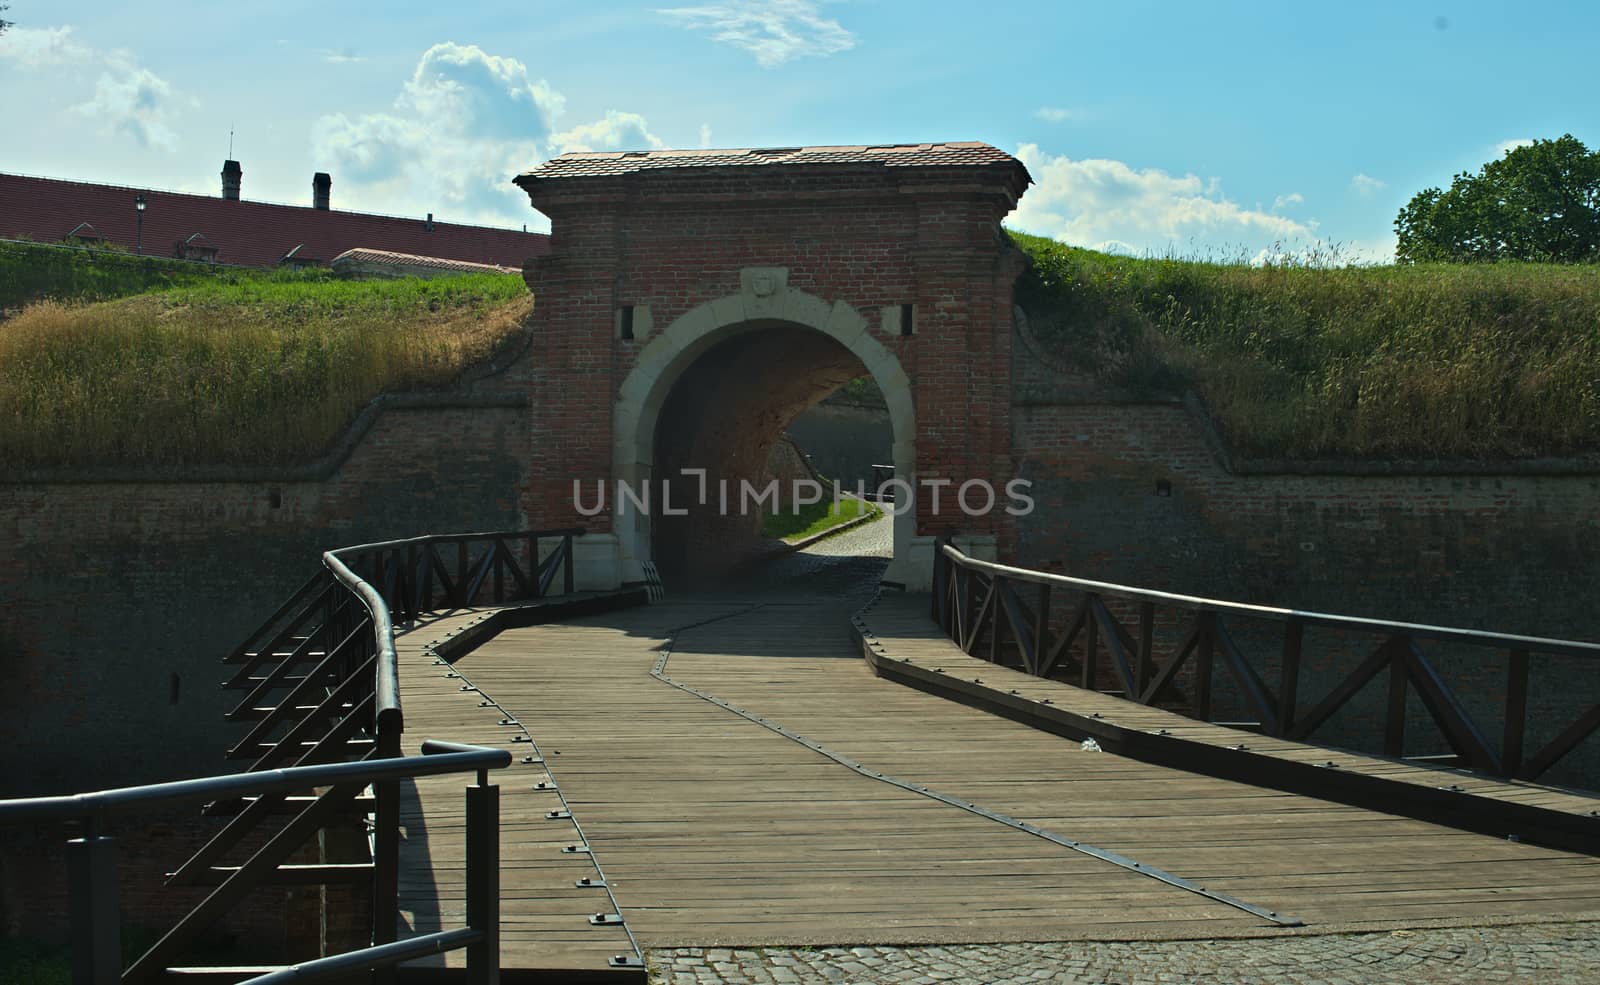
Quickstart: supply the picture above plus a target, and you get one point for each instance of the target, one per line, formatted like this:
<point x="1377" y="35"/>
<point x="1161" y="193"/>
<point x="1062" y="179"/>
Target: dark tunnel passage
<point x="724" y="415"/>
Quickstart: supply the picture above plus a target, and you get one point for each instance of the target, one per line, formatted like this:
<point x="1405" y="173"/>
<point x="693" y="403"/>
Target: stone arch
<point x="662" y="361"/>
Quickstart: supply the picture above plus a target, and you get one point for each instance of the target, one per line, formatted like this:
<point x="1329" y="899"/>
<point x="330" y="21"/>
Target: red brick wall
<point x="674" y="241"/>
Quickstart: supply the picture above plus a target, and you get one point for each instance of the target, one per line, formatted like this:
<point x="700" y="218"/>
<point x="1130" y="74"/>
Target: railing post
<point x="969" y="605"/>
<point x="1516" y="713"/>
<point x="1041" y="629"/>
<point x="1294" y="632"/>
<point x="96" y="917"/>
<point x="410" y="597"/>
<point x="459" y="598"/>
<point x="386" y="854"/>
<point x="483" y="880"/>
<point x="1205" y="650"/>
<point x="1394" y="726"/>
<point x="1091" y="643"/>
<point x="996" y="624"/>
<point x="1147" y="639"/>
<point x="567" y="565"/>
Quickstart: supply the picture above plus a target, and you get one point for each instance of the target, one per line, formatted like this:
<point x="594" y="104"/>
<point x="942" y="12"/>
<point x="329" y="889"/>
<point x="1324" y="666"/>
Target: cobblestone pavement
<point x="1547" y="954"/>
<point x="844" y="566"/>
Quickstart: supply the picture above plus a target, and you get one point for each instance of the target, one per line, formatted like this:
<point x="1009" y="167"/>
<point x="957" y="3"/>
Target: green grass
<point x="863" y="391"/>
<point x="36" y="271"/>
<point x="814" y="518"/>
<point x="267" y="369"/>
<point x="1310" y="360"/>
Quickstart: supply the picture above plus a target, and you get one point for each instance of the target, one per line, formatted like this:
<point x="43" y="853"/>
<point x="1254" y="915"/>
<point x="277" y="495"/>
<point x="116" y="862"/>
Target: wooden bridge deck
<point x="714" y="829"/>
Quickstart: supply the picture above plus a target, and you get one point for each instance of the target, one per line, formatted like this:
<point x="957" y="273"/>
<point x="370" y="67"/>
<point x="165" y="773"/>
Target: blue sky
<point x="1209" y="129"/>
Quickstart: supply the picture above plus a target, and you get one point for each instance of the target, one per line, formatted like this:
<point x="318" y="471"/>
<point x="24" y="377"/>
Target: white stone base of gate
<point x="913" y="563"/>
<point x="597" y="563"/>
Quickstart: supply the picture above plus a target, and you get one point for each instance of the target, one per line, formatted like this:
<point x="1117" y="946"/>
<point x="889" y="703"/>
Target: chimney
<point x="231" y="173"/>
<point x="321" y="186"/>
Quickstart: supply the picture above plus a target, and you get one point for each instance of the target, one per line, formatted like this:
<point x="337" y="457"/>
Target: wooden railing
<point x="1057" y="626"/>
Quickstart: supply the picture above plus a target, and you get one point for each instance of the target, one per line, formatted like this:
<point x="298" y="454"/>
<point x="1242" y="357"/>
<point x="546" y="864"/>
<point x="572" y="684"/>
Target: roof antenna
<point x="230" y="142"/>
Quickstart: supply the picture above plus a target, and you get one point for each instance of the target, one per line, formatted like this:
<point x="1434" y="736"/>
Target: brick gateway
<point x="694" y="302"/>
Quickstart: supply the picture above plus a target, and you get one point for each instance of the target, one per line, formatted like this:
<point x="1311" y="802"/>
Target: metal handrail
<point x="92" y="863"/>
<point x="437" y="758"/>
<point x="388" y="714"/>
<point x="1447" y="634"/>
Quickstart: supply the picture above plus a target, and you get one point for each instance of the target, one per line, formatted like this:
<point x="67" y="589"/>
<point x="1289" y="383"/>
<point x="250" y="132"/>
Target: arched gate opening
<point x="694" y="301"/>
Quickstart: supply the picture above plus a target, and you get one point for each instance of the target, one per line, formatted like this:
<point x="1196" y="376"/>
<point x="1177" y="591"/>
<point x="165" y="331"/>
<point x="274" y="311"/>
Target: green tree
<point x="1538" y="202"/>
<point x="3" y="22"/>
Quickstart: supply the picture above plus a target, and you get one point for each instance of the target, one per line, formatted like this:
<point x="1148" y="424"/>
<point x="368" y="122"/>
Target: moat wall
<point x="1138" y="493"/>
<point x="118" y="599"/>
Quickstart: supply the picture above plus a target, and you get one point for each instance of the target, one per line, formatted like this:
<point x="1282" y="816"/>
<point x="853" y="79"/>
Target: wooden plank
<point x="712" y="829"/>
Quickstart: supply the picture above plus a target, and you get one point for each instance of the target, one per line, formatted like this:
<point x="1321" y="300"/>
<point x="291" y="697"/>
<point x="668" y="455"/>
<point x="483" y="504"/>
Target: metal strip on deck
<point x="1115" y="858"/>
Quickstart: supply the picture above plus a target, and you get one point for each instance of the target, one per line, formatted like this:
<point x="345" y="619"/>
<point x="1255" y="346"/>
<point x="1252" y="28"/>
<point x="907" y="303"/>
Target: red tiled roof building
<point x="244" y="233"/>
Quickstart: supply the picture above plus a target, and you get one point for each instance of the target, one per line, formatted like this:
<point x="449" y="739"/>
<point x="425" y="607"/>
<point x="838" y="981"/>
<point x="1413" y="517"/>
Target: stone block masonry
<point x="1134" y="493"/>
<point x="118" y="600"/>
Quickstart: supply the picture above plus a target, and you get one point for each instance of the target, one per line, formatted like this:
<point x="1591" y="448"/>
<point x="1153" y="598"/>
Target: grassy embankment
<point x="814" y="518"/>
<point x="234" y="367"/>
<point x="1486" y="361"/>
<point x="35" y="271"/>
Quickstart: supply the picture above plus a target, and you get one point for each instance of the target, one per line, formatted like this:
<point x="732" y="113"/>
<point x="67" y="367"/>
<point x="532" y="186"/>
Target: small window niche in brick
<point x="633" y="322"/>
<point x="900" y="319"/>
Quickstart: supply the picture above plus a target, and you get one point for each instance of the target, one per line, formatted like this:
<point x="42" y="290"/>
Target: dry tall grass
<point x="174" y="379"/>
<point x="1465" y="361"/>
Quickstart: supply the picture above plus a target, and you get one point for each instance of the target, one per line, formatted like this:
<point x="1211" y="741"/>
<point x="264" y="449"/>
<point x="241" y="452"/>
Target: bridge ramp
<point x="712" y="828"/>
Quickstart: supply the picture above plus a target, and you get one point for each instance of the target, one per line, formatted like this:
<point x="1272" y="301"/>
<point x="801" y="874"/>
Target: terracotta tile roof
<point x="943" y="155"/>
<point x="246" y="233"/>
<point x="364" y="255"/>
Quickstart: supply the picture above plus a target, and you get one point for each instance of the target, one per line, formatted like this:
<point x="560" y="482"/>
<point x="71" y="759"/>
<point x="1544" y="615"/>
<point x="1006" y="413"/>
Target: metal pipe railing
<point x="92" y="861"/>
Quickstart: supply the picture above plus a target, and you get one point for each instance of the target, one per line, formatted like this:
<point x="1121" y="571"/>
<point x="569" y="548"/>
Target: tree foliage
<point x="3" y="22"/>
<point x="1540" y="202"/>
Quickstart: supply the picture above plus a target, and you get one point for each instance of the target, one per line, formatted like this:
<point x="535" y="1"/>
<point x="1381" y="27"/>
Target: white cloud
<point x="705" y="135"/>
<point x="134" y="102"/>
<point x="618" y="131"/>
<point x="775" y="31"/>
<point x="128" y="99"/>
<point x="1366" y="184"/>
<point x="1293" y="198"/>
<point x="41" y="47"/>
<point x="1505" y="147"/>
<point x="1108" y="205"/>
<point x="1058" y="114"/>
<point x="344" y="56"/>
<point x="462" y="126"/>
